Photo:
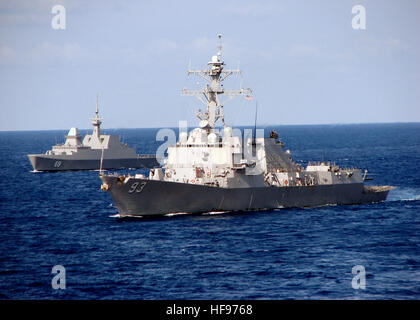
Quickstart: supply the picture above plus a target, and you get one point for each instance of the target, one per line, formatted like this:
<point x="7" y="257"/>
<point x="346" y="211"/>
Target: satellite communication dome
<point x="212" y="138"/>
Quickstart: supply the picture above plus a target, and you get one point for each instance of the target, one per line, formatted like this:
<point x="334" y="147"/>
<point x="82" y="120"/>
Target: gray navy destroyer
<point x="96" y="151"/>
<point x="212" y="171"/>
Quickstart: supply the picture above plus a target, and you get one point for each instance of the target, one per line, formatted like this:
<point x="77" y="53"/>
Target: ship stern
<point x="372" y="194"/>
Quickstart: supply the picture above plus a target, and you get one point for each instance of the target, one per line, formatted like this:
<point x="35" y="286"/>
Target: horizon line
<point x="262" y="125"/>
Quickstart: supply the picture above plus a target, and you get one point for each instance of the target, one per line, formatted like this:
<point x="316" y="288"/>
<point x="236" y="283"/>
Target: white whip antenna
<point x="97" y="104"/>
<point x="102" y="160"/>
<point x="219" y="47"/>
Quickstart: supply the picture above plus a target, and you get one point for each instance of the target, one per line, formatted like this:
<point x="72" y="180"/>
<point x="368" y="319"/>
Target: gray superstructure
<point x="208" y="170"/>
<point x="94" y="152"/>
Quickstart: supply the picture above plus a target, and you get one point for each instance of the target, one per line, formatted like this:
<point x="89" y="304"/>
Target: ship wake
<point x="404" y="194"/>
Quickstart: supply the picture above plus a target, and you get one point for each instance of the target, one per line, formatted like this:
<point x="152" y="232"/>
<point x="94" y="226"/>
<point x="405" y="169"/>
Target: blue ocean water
<point x="49" y="219"/>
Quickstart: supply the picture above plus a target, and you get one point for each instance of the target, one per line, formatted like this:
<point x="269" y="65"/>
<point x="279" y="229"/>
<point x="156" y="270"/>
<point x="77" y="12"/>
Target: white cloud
<point x="393" y="42"/>
<point x="251" y="9"/>
<point x="397" y="45"/>
<point x="47" y="53"/>
<point x="19" y="12"/>
<point x="15" y="19"/>
<point x="380" y="46"/>
<point x="44" y="54"/>
<point x="304" y="51"/>
<point x="50" y="52"/>
<point x="203" y="43"/>
<point x="162" y="46"/>
<point x="34" y="12"/>
<point x="7" y="55"/>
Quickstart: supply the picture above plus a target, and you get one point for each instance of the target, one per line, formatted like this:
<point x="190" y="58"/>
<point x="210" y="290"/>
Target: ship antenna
<point x="97" y="117"/>
<point x="254" y="142"/>
<point x="240" y="74"/>
<point x="219" y="47"/>
<point x="96" y="122"/>
<point x="102" y="160"/>
<point x="97" y="105"/>
<point x="209" y="95"/>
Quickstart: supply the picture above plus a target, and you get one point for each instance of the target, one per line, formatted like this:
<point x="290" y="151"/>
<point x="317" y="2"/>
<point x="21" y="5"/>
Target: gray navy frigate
<point x="212" y="171"/>
<point x="96" y="151"/>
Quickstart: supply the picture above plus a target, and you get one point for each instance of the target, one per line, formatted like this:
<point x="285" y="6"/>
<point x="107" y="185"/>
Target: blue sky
<point x="302" y="59"/>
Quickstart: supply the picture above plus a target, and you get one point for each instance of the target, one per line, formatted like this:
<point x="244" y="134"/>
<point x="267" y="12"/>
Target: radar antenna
<point x="254" y="140"/>
<point x="219" y="47"/>
<point x="209" y="95"/>
<point x="96" y="122"/>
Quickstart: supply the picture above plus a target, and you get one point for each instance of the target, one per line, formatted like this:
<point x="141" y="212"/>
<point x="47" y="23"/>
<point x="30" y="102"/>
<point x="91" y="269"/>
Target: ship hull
<point x="64" y="163"/>
<point x="142" y="197"/>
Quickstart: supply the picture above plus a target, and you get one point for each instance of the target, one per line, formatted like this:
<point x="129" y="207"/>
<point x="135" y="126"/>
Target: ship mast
<point x="209" y="95"/>
<point x="96" y="122"/>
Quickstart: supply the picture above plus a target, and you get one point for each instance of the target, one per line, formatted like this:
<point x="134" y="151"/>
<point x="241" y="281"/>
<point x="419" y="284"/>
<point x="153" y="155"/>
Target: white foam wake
<point x="404" y="194"/>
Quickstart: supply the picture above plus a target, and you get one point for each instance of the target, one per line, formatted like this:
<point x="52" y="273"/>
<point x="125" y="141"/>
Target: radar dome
<point x="212" y="138"/>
